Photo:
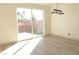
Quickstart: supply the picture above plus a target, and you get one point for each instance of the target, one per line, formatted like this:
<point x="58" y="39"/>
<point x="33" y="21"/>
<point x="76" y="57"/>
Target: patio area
<point x="26" y="36"/>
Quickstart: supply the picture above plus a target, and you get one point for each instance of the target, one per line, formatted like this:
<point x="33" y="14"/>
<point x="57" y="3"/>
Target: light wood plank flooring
<point x="5" y="46"/>
<point x="53" y="45"/>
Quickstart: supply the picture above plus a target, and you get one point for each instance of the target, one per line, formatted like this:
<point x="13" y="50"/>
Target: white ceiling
<point x="46" y="4"/>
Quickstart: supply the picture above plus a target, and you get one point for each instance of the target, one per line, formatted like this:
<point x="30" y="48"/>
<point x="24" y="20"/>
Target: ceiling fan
<point x="56" y="10"/>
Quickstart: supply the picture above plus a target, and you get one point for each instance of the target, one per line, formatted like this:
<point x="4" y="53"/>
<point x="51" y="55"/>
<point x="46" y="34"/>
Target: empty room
<point x="39" y="28"/>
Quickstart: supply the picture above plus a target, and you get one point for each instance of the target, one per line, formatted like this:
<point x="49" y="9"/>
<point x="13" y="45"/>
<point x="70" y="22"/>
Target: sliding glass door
<point x="30" y="23"/>
<point x="24" y="20"/>
<point x="37" y="18"/>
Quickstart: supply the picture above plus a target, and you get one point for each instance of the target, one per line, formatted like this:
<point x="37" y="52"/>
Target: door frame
<point x="32" y="22"/>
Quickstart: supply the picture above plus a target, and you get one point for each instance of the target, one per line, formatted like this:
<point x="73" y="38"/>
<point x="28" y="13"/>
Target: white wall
<point x="61" y="25"/>
<point x="8" y="24"/>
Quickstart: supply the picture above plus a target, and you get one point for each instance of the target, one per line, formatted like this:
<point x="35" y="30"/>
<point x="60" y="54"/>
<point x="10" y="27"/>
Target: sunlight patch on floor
<point x="26" y="50"/>
<point x="14" y="48"/>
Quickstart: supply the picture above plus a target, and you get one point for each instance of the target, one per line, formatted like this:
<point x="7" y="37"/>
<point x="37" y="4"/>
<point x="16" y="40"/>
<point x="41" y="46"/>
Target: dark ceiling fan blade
<point x="61" y="13"/>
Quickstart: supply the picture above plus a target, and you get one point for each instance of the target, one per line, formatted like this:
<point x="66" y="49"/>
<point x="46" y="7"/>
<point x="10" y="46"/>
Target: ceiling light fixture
<point x="56" y="10"/>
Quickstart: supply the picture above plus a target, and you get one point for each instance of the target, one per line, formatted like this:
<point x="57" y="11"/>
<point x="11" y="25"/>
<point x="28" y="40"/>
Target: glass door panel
<point x="24" y="23"/>
<point x="37" y="19"/>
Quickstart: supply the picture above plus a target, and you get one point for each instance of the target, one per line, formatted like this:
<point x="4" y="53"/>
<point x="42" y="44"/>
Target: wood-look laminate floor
<point x="5" y="46"/>
<point x="53" y="45"/>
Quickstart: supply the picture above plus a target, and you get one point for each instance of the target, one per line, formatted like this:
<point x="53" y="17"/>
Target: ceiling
<point x="46" y="4"/>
